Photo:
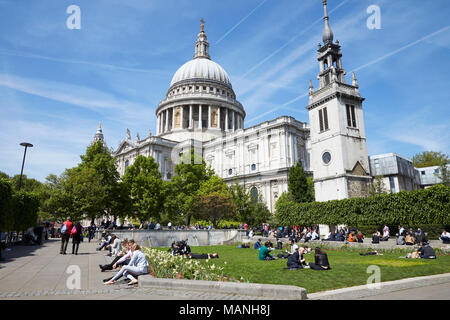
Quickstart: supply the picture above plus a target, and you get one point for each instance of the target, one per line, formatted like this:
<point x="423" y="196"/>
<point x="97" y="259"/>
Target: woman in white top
<point x="137" y="266"/>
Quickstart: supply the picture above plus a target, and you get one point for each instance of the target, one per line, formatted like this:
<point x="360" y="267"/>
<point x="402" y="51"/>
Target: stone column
<point x="218" y="118"/>
<point x="209" y="116"/>
<point x="226" y="119"/>
<point x="232" y="121"/>
<point x="190" y="116"/>
<point x="182" y="117"/>
<point x="157" y="124"/>
<point x="173" y="118"/>
<point x="167" y="120"/>
<point x="200" y="116"/>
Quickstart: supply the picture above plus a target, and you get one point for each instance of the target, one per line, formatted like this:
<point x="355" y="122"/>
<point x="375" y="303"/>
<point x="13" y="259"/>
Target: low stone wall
<point x="164" y="238"/>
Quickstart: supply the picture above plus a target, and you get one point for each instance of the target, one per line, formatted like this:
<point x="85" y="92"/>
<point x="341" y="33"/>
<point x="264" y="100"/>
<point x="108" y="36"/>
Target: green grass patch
<point x="348" y="268"/>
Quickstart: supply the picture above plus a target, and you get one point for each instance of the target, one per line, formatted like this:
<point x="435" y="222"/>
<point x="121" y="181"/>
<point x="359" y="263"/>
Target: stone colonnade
<point x="198" y="117"/>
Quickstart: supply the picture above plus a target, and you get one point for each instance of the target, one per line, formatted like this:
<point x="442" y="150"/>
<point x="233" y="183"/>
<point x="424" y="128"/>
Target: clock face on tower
<point x="326" y="157"/>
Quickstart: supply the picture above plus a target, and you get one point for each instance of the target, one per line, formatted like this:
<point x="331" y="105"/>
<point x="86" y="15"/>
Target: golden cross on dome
<point x="202" y="26"/>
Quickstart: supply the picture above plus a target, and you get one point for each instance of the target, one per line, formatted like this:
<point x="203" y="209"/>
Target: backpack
<point x="74" y="231"/>
<point x="64" y="229"/>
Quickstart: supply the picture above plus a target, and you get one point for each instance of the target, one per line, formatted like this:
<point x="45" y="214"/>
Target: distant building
<point x="429" y="176"/>
<point x="398" y="172"/>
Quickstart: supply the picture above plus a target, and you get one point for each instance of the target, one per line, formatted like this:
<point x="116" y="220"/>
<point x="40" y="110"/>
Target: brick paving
<point x="39" y="272"/>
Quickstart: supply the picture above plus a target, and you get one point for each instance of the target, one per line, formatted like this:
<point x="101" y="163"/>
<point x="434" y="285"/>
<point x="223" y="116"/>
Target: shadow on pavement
<point x="20" y="250"/>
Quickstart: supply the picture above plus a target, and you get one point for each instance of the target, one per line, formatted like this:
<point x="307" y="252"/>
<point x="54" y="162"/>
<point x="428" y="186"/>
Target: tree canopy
<point x="430" y="159"/>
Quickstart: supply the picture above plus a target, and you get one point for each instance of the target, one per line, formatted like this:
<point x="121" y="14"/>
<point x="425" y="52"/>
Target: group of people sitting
<point x="295" y="257"/>
<point x="182" y="248"/>
<point x="128" y="258"/>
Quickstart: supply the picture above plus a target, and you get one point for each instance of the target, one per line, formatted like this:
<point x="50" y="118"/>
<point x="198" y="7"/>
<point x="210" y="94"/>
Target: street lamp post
<point x="26" y="145"/>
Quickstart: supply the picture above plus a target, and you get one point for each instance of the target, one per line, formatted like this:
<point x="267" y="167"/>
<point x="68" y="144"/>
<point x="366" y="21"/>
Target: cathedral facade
<point x="201" y="111"/>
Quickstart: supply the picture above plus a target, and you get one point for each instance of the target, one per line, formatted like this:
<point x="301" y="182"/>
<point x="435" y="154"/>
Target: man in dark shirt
<point x="426" y="252"/>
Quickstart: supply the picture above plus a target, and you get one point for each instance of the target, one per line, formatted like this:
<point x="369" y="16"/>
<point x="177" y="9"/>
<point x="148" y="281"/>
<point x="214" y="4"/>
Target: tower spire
<point x="327" y="35"/>
<point x="202" y="44"/>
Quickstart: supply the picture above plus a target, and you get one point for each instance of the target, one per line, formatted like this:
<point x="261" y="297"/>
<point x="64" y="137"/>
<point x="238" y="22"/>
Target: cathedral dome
<point x="201" y="69"/>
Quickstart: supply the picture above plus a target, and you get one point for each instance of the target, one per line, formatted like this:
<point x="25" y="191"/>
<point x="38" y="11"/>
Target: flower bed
<point x="164" y="265"/>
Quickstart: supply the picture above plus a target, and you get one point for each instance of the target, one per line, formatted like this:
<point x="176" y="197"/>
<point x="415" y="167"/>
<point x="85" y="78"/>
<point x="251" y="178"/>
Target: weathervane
<point x="202" y="26"/>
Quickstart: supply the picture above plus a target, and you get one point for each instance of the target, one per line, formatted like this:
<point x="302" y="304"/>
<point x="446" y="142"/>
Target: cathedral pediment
<point x="358" y="170"/>
<point x="125" y="146"/>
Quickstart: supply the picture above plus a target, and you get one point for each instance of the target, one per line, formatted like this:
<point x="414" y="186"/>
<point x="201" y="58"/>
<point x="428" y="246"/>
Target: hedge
<point x="429" y="206"/>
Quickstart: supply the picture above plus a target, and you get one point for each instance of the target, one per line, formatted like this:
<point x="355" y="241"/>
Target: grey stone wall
<point x="164" y="238"/>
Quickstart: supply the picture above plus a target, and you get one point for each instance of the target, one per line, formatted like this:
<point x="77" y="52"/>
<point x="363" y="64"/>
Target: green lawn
<point x="348" y="268"/>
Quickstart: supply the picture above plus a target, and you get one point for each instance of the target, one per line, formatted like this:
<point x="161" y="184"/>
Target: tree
<point x="213" y="201"/>
<point x="443" y="175"/>
<point x="248" y="209"/>
<point x="430" y="159"/>
<point x="25" y="206"/>
<point x="100" y="159"/>
<point x="144" y="183"/>
<point x="298" y="185"/>
<point x="28" y="184"/>
<point x="6" y="213"/>
<point x="180" y="193"/>
<point x="83" y="193"/>
<point x="378" y="186"/>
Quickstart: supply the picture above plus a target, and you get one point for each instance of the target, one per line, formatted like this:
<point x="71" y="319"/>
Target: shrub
<point x="409" y="208"/>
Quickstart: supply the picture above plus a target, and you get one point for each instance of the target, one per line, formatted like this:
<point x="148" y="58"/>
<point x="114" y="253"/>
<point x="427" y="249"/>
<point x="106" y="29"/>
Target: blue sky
<point x="56" y="84"/>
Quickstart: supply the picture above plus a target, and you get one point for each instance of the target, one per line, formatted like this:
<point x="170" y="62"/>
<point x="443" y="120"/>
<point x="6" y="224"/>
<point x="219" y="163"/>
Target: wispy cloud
<point x="241" y="21"/>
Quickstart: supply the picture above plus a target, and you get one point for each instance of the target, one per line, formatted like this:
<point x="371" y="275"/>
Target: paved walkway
<point x="39" y="272"/>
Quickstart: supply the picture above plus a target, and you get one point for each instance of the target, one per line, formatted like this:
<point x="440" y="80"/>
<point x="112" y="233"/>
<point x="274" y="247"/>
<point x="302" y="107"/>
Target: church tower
<point x="339" y="157"/>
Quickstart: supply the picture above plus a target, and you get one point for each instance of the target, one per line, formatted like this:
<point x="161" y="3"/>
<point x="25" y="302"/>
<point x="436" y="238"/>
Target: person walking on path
<point x="66" y="229"/>
<point x="91" y="231"/>
<point x="76" y="237"/>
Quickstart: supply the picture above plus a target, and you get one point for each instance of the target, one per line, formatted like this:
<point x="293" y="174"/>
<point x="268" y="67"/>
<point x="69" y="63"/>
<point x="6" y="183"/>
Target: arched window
<point x="253" y="167"/>
<point x="230" y="171"/>
<point x="127" y="163"/>
<point x="254" y="194"/>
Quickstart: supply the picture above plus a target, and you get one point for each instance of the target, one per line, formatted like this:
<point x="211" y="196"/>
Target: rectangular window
<point x="352" y="108"/>
<point x="351" y="117"/>
<point x="391" y="181"/>
<point x="325" y="118"/>
<point x="320" y="120"/>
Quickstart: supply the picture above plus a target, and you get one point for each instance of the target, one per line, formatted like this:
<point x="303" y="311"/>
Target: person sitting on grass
<point x="351" y="237"/>
<point x="340" y="236"/>
<point x="137" y="266"/>
<point x="264" y="252"/>
<point x="359" y="237"/>
<point x="445" y="237"/>
<point x="257" y="244"/>
<point x="400" y="240"/>
<point x="409" y="239"/>
<point x="376" y="237"/>
<point x="426" y="252"/>
<point x="320" y="260"/>
<point x="293" y="260"/>
<point x="385" y="233"/>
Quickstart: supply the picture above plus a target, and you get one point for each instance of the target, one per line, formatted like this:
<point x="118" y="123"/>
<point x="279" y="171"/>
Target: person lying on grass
<point x="373" y="253"/>
<point x="201" y="256"/>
